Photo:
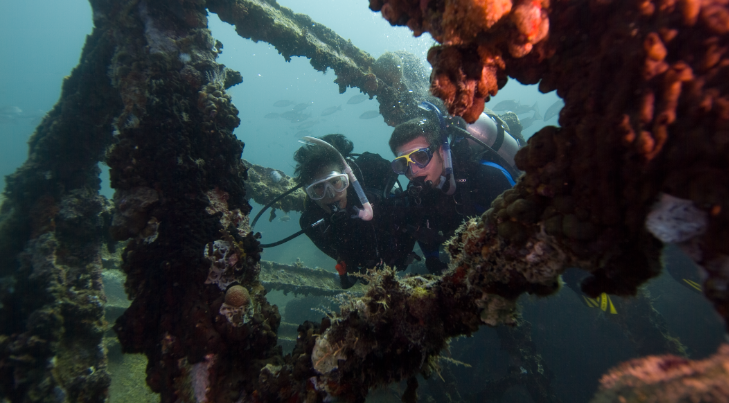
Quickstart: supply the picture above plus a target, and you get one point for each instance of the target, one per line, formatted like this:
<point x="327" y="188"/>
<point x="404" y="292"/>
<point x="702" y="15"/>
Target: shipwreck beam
<point x="52" y="224"/>
<point x="297" y="35"/>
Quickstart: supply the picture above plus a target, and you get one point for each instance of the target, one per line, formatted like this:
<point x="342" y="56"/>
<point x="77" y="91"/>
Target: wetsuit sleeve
<point x="317" y="234"/>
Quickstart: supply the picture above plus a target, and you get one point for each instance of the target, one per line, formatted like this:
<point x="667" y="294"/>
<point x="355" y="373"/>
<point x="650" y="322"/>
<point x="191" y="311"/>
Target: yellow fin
<point x="603" y="302"/>
<point x="590" y="302"/>
<point x="696" y="286"/>
<point x="612" y="307"/>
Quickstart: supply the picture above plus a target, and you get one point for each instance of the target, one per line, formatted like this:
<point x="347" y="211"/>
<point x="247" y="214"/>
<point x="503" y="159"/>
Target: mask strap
<point x="447" y="159"/>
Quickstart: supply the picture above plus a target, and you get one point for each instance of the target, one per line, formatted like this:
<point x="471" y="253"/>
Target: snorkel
<point x="447" y="160"/>
<point x="365" y="214"/>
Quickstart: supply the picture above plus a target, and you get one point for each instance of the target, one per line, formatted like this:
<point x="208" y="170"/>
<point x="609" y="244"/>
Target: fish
<point x="14" y="115"/>
<point x="329" y="111"/>
<point x="10" y="111"/>
<point x="300" y="107"/>
<point x="537" y="115"/>
<point x="294" y="117"/>
<point x="509" y="105"/>
<point x="523" y="109"/>
<point x="272" y="115"/>
<point x="369" y="115"/>
<point x="282" y="103"/>
<point x="514" y="106"/>
<point x="10" y="114"/>
<point x="284" y="218"/>
<point x="553" y="110"/>
<point x="603" y="302"/>
<point x="526" y="122"/>
<point x="273" y="215"/>
<point x="307" y="125"/>
<point x="357" y="99"/>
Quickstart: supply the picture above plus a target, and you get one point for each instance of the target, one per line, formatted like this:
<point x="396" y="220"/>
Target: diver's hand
<point x="434" y="265"/>
<point x="365" y="214"/>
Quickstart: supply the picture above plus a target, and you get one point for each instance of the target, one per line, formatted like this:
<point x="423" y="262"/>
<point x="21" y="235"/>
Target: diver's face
<point x="340" y="198"/>
<point x="433" y="171"/>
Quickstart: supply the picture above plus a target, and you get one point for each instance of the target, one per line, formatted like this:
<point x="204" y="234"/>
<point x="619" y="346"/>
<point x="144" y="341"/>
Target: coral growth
<point x="469" y="67"/>
<point x="464" y="77"/>
<point x="645" y="117"/>
<point x="398" y="329"/>
<point x="237" y="307"/>
<point x="263" y="186"/>
<point x="667" y="379"/>
<point x="180" y="191"/>
<point x="52" y="225"/>
<point x="130" y="215"/>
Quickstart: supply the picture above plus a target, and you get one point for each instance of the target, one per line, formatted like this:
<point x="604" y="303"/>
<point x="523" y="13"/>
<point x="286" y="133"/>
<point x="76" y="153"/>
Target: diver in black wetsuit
<point x="443" y="191"/>
<point x="355" y="243"/>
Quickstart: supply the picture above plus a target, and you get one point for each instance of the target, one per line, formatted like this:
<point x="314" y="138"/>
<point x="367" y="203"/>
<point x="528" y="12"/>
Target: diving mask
<point x="328" y="187"/>
<point x="420" y="158"/>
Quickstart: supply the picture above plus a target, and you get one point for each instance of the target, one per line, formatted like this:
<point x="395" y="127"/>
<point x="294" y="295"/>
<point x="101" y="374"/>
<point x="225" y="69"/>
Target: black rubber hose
<point x="286" y="193"/>
<point x="288" y="238"/>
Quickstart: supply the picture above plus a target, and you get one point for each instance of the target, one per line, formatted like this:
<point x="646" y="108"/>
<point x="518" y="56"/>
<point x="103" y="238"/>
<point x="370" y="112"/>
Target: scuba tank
<point x="492" y="133"/>
<point x="486" y="137"/>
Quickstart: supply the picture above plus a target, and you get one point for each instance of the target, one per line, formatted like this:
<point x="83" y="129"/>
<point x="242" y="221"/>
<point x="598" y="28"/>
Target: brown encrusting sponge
<point x="646" y="119"/>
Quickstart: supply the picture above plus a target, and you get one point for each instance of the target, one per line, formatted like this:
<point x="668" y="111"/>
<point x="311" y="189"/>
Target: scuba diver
<point x="341" y="222"/>
<point x="448" y="186"/>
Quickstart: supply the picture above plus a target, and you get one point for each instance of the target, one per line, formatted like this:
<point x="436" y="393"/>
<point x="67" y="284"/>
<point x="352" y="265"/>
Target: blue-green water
<point x="40" y="42"/>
